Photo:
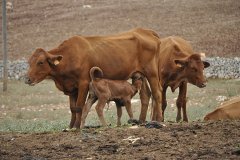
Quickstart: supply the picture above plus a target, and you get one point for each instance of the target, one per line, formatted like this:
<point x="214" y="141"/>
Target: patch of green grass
<point x="43" y="108"/>
<point x="19" y="125"/>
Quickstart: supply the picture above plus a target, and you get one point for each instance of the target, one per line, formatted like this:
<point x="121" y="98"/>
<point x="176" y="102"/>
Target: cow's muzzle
<point x="201" y="85"/>
<point x="28" y="80"/>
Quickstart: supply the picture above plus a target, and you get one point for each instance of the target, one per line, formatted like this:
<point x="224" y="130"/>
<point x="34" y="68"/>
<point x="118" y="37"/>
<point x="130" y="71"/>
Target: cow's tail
<point x="96" y="72"/>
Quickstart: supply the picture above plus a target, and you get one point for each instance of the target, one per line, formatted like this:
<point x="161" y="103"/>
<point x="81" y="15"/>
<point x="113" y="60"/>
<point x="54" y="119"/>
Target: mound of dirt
<point x="197" y="140"/>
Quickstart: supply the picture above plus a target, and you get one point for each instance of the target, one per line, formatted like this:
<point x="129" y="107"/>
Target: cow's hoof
<point x="71" y="130"/>
<point x="133" y="122"/>
<point x="236" y="152"/>
<point x="90" y="127"/>
<point x="153" y="124"/>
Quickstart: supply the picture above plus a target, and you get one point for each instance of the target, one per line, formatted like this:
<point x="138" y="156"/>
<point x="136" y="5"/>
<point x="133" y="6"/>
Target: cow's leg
<point x="181" y="102"/>
<point x="164" y="101"/>
<point x="99" y="108"/>
<point x="145" y="95"/>
<point x="72" y="100"/>
<point x="82" y="95"/>
<point x="90" y="101"/>
<point x="119" y="114"/>
<point x="157" y="97"/>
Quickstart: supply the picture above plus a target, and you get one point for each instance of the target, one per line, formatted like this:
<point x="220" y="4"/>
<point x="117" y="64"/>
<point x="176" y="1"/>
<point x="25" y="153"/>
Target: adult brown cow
<point x="118" y="56"/>
<point x="228" y="110"/>
<point x="178" y="65"/>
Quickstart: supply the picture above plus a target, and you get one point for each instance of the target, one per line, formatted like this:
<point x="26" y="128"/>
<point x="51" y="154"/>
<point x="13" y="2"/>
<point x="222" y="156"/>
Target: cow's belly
<point x="118" y="68"/>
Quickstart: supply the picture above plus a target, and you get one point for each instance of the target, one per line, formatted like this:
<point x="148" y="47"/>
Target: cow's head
<point x="40" y="66"/>
<point x="192" y="69"/>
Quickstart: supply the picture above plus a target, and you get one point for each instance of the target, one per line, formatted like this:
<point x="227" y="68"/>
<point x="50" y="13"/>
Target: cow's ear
<point x="40" y="51"/>
<point x="206" y="64"/>
<point x="180" y="62"/>
<point x="55" y="59"/>
<point x="176" y="47"/>
<point x="177" y="50"/>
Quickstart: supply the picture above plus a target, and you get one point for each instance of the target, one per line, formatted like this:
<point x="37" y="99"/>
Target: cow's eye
<point x="40" y="63"/>
<point x="194" y="69"/>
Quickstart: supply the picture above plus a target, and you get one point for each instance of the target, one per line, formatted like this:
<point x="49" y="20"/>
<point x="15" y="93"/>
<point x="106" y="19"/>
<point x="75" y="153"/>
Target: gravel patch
<point x="224" y="68"/>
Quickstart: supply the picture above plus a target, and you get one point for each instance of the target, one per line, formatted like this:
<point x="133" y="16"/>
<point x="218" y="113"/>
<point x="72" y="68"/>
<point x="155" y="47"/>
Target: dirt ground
<point x="212" y="26"/>
<point x="197" y="140"/>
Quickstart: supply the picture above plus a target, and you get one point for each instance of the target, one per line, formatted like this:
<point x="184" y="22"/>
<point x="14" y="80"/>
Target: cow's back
<point x="232" y="109"/>
<point x="172" y="48"/>
<point x="123" y="52"/>
<point x="229" y="110"/>
<point x="117" y="55"/>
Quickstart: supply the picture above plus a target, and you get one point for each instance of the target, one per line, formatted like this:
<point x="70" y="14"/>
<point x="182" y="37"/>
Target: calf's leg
<point x="181" y="102"/>
<point x="129" y="109"/>
<point x="99" y="108"/>
<point x="164" y="101"/>
<point x="119" y="115"/>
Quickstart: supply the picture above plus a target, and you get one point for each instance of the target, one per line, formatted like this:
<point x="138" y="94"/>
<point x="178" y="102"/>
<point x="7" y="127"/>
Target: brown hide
<point x="106" y="90"/>
<point x="178" y="65"/>
<point x="117" y="55"/>
<point x="228" y="110"/>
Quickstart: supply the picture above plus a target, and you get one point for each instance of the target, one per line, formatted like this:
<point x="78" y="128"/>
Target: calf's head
<point x="41" y="64"/>
<point x="137" y="80"/>
<point x="192" y="69"/>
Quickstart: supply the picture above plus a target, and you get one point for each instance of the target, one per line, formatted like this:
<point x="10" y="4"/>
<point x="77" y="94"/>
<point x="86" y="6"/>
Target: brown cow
<point x="118" y="56"/>
<point x="106" y="90"/>
<point x="228" y="110"/>
<point x="178" y="65"/>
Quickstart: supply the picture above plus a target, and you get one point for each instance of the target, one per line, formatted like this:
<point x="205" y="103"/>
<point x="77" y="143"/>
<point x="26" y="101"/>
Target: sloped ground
<point x="197" y="140"/>
<point x="212" y="26"/>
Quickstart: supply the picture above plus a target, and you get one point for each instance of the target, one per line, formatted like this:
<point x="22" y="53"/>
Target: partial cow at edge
<point x="228" y="110"/>
<point x="178" y="65"/>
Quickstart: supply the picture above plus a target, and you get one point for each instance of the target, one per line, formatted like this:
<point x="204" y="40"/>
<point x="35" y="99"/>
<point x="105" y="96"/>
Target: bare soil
<point x="197" y="140"/>
<point x="212" y="26"/>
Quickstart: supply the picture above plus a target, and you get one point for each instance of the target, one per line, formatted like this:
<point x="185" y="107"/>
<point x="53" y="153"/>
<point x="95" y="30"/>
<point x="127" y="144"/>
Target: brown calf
<point x="178" y="65"/>
<point x="228" y="110"/>
<point x="105" y="90"/>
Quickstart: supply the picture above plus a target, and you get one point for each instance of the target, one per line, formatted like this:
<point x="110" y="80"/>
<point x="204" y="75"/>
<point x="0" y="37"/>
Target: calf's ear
<point x="39" y="51"/>
<point x="206" y="64"/>
<point x="55" y="59"/>
<point x="180" y="62"/>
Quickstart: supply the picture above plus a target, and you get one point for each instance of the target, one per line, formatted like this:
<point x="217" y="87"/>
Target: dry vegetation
<point x="43" y="108"/>
<point x="212" y="26"/>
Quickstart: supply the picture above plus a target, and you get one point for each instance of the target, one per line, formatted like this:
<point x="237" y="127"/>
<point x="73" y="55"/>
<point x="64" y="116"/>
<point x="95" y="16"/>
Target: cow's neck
<point x="173" y="79"/>
<point x="64" y="82"/>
